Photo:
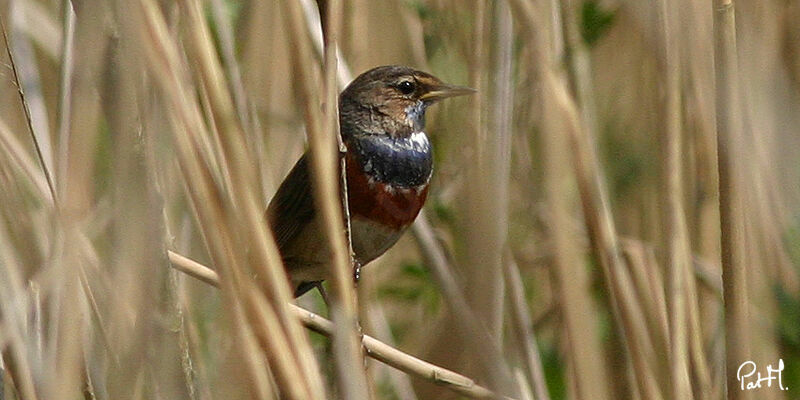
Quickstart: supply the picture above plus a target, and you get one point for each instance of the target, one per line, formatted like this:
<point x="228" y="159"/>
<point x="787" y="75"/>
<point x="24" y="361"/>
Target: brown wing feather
<point x="292" y="207"/>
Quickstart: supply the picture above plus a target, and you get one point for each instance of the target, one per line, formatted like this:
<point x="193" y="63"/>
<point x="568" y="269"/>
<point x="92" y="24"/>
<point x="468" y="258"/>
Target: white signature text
<point x="745" y="375"/>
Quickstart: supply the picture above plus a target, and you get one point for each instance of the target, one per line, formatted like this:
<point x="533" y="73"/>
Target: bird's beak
<point x="444" y="91"/>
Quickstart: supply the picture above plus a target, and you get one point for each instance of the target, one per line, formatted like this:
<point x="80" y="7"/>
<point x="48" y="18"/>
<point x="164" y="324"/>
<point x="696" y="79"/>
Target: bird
<point x="388" y="168"/>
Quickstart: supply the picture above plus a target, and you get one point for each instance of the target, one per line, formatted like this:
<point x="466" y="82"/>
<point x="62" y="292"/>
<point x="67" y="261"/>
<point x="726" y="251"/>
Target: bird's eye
<point x="406" y="87"/>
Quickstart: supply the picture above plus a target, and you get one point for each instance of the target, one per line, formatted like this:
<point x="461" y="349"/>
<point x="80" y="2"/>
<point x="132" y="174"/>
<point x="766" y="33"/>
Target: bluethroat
<point x="389" y="163"/>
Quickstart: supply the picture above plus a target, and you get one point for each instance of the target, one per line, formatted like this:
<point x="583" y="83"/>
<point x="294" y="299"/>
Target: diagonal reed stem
<point x="374" y="347"/>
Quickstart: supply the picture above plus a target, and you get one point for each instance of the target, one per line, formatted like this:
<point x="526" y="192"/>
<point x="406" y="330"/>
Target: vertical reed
<point x="729" y="137"/>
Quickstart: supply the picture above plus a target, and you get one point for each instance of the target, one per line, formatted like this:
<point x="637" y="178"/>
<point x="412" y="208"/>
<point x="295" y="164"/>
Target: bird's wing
<point x="292" y="207"/>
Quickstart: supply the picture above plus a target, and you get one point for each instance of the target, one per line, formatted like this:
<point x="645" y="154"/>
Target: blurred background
<point x="574" y="218"/>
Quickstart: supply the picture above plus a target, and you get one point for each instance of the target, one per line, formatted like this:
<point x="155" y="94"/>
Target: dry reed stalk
<point x="276" y="140"/>
<point x="571" y="280"/>
<point x="134" y="252"/>
<point x="315" y="20"/>
<point x="16" y="159"/>
<point x="594" y="200"/>
<point x="416" y="35"/>
<point x="627" y="310"/>
<point x="195" y="372"/>
<point x="323" y="134"/>
<point x="90" y="41"/>
<point x="13" y="324"/>
<point x="649" y="282"/>
<point x="600" y="225"/>
<point x="376" y="321"/>
<point x="44" y="162"/>
<point x="26" y="72"/>
<point x="68" y="280"/>
<point x="767" y="214"/>
<point x="477" y="71"/>
<point x="579" y="61"/>
<point x="138" y="234"/>
<point x="40" y="26"/>
<point x="766" y="257"/>
<point x="479" y="315"/>
<point x="374" y="348"/>
<point x="488" y="168"/>
<point x="66" y="325"/>
<point x="267" y="262"/>
<point x="346" y="343"/>
<point x="15" y="363"/>
<point x="579" y="133"/>
<point x="232" y="71"/>
<point x="697" y="351"/>
<point x="729" y="137"/>
<point x="673" y="221"/>
<point x="65" y="92"/>
<point x="523" y="328"/>
<point x="481" y="344"/>
<point x="448" y="347"/>
<point x="67" y="340"/>
<point x="221" y="210"/>
<point x="258" y="370"/>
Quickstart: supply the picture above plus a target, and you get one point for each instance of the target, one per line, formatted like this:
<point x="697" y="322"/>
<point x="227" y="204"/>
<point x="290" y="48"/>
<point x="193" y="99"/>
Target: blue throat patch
<point x="405" y="162"/>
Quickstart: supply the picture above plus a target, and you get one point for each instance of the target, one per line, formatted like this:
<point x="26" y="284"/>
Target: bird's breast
<point x="387" y="179"/>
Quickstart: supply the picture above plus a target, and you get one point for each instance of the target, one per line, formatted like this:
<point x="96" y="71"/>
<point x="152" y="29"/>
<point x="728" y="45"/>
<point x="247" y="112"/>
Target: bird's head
<point x="392" y="100"/>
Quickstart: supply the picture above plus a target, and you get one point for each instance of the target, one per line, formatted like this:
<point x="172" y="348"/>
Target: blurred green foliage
<point x="595" y="21"/>
<point x="788" y="319"/>
<point x="627" y="163"/>
<point x="414" y="285"/>
<point x="553" y="371"/>
<point x="788" y="326"/>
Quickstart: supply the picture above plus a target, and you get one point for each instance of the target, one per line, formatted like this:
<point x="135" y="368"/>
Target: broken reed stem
<point x="374" y="348"/>
<point x="732" y="244"/>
